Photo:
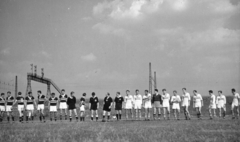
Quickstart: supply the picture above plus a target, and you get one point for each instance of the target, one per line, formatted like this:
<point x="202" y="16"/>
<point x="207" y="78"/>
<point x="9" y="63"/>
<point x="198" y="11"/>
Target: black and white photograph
<point x="119" y="70"/>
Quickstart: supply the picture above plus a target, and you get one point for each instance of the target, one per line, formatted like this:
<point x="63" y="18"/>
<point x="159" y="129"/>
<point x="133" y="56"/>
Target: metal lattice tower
<point x="29" y="88"/>
<point x="40" y="79"/>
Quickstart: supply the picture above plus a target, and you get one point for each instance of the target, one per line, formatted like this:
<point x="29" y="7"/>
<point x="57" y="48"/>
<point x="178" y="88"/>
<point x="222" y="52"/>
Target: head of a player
<point x="39" y="92"/>
<point x="84" y="95"/>
<point x="174" y="92"/>
<point x="93" y="94"/>
<point x="9" y="93"/>
<point x="72" y="94"/>
<point x="164" y="91"/>
<point x="210" y="92"/>
<point x="30" y="94"/>
<point x="156" y="91"/>
<point x="219" y="92"/>
<point x="137" y="91"/>
<point x="2" y="94"/>
<point x="19" y="93"/>
<point x="146" y="92"/>
<point x="184" y="90"/>
<point x="118" y="94"/>
<point x="127" y="92"/>
<point x="63" y="91"/>
<point x="195" y="92"/>
<point x="53" y="95"/>
<point x="108" y="94"/>
<point x="233" y="91"/>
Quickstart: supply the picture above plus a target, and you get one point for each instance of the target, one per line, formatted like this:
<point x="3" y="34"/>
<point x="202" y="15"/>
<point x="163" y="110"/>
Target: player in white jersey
<point x="165" y="104"/>
<point x="147" y="105"/>
<point x="186" y="103"/>
<point x="235" y="103"/>
<point x="176" y="100"/>
<point x="221" y="103"/>
<point x="197" y="103"/>
<point x="128" y="104"/>
<point x="138" y="104"/>
<point x="212" y="105"/>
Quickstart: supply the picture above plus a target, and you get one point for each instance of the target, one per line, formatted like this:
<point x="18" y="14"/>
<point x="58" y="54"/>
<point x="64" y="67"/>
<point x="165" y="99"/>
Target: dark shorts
<point x="118" y="106"/>
<point x="93" y="107"/>
<point x="106" y="108"/>
<point x="71" y="107"/>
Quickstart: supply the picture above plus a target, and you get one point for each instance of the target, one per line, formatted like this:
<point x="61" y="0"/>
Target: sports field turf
<point x="194" y="130"/>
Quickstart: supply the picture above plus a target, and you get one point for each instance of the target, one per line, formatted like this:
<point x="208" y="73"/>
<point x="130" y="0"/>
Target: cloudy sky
<point x="106" y="45"/>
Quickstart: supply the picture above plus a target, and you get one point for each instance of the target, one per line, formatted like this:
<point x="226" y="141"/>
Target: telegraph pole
<point x="16" y="87"/>
<point x="150" y="79"/>
<point x="155" y="80"/>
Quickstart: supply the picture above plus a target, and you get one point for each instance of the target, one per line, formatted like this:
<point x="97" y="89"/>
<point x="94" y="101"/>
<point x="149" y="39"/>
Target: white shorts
<point x="212" y="106"/>
<point x="8" y="108"/>
<point x="40" y="107"/>
<point x="138" y="106"/>
<point x="147" y="105"/>
<point x="20" y="107"/>
<point x="198" y="105"/>
<point x="53" y="109"/>
<point x="185" y="104"/>
<point x="2" y="108"/>
<point x="30" y="107"/>
<point x="220" y="105"/>
<point x="165" y="104"/>
<point x="176" y="106"/>
<point x="234" y="105"/>
<point x="63" y="105"/>
<point x="82" y="108"/>
<point x="128" y="106"/>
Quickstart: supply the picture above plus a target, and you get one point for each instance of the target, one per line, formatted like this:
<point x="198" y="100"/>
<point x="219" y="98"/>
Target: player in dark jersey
<point x="30" y="105"/>
<point x="71" y="102"/>
<point x="2" y="106"/>
<point x="20" y="101"/>
<point x="82" y="107"/>
<point x="94" y="105"/>
<point x="107" y="105"/>
<point x="157" y="104"/>
<point x="118" y="105"/>
<point x="52" y="105"/>
<point x="63" y="104"/>
<point x="10" y="100"/>
<point x="40" y="107"/>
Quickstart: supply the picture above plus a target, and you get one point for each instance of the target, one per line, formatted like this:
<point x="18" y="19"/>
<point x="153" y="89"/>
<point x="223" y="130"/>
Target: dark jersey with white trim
<point x="93" y="100"/>
<point x="119" y="100"/>
<point x="107" y="101"/>
<point x="10" y="100"/>
<point x="20" y="100"/>
<point x="53" y="101"/>
<point x="63" y="98"/>
<point x="2" y="101"/>
<point x="29" y="100"/>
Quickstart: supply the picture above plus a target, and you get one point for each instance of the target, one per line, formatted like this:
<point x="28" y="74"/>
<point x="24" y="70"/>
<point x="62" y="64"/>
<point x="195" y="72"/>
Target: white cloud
<point x="89" y="57"/>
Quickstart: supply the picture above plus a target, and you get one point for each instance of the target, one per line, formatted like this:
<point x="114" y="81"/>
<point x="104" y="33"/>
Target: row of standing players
<point x="132" y="102"/>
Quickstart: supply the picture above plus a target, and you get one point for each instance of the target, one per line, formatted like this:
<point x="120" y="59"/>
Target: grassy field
<point x="130" y="131"/>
